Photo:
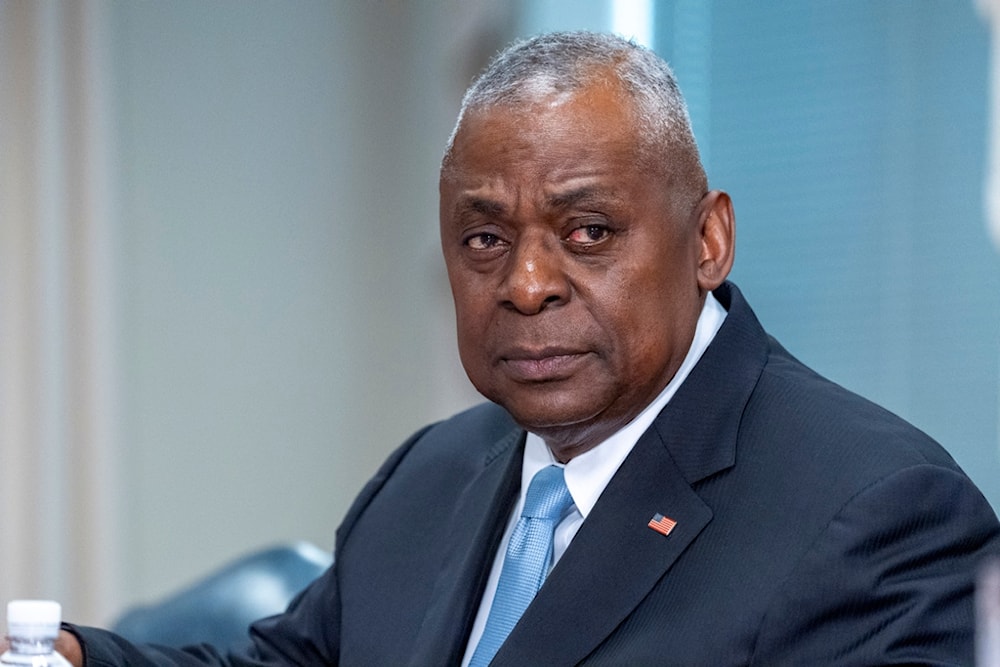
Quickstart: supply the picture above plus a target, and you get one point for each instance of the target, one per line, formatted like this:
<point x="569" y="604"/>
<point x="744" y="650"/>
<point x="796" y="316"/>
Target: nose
<point x="536" y="277"/>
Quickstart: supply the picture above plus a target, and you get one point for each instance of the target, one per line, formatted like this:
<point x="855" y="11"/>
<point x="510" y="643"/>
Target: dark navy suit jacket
<point x="813" y="528"/>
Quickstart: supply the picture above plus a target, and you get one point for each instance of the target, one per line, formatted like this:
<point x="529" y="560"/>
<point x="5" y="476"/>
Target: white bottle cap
<point x="33" y="618"/>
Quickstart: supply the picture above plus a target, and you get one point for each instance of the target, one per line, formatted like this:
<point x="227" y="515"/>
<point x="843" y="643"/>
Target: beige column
<point x="58" y="534"/>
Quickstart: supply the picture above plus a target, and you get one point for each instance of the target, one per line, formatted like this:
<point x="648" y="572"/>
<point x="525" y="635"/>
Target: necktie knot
<point x="547" y="497"/>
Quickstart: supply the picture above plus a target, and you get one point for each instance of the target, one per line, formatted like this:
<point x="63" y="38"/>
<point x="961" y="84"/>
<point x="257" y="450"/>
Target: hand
<point x="68" y="646"/>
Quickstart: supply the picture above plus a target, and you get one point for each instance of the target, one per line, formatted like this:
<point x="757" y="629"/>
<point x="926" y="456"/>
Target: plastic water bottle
<point x="32" y="628"/>
<point x="988" y="615"/>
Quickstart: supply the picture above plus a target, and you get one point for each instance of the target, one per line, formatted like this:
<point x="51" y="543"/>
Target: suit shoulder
<point x="481" y="419"/>
<point x="472" y="433"/>
<point x="799" y="405"/>
<point x="447" y="451"/>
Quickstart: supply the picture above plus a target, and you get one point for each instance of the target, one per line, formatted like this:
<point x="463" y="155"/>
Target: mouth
<point x="547" y="365"/>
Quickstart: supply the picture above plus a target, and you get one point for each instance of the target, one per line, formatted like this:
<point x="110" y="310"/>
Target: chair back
<point x="218" y="609"/>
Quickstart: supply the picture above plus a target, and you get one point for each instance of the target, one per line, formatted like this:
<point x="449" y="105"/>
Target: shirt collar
<point x="589" y="473"/>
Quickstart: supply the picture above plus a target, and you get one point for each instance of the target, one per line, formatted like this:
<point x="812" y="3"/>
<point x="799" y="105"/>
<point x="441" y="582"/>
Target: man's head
<point x="566" y="62"/>
<point x="579" y="234"/>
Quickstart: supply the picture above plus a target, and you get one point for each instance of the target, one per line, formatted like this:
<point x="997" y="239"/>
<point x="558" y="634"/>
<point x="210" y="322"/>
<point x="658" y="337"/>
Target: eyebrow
<point x="481" y="205"/>
<point x="570" y="198"/>
<point x="577" y="196"/>
<point x="557" y="201"/>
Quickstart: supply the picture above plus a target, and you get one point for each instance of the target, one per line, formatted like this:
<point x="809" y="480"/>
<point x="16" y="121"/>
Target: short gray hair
<point x="568" y="61"/>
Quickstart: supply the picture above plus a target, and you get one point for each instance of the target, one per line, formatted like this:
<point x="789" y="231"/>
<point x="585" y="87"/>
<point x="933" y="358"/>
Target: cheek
<point x="644" y="317"/>
<point x="471" y="322"/>
<point x="470" y="306"/>
<point x="635" y="300"/>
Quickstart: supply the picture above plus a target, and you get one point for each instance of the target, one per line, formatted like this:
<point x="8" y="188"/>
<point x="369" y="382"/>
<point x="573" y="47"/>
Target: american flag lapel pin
<point x="662" y="524"/>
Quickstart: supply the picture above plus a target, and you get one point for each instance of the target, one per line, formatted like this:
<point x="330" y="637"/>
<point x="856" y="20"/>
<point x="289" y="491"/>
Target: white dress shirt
<point x="588" y="473"/>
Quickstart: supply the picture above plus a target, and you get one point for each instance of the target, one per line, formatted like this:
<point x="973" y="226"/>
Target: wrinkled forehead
<point x="553" y="124"/>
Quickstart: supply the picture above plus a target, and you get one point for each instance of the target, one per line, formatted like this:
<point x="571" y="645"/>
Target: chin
<point x="554" y="405"/>
<point x="543" y="417"/>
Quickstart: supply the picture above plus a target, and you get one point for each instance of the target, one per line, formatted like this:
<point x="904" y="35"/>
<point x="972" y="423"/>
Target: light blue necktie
<point x="527" y="561"/>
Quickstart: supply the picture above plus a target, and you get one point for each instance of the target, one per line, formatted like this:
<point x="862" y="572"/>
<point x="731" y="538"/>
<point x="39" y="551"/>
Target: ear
<point x="717" y="234"/>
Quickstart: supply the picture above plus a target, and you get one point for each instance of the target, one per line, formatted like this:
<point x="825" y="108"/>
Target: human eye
<point x="483" y="241"/>
<point x="589" y="235"/>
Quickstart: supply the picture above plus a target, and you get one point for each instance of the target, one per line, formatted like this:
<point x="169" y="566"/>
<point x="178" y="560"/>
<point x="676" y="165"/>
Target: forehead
<point x="553" y="133"/>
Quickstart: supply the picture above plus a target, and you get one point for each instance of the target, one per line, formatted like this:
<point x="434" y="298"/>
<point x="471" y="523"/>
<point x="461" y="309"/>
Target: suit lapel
<point x="477" y="527"/>
<point x="612" y="563"/>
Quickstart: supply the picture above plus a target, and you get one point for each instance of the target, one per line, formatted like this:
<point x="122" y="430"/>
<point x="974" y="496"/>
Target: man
<point x="725" y="505"/>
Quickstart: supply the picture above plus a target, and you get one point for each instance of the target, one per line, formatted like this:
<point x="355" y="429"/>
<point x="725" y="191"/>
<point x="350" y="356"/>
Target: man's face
<point x="576" y="289"/>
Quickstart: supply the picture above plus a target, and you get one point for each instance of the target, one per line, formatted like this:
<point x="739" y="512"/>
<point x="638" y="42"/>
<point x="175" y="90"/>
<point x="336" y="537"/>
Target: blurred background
<point x="221" y="297"/>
